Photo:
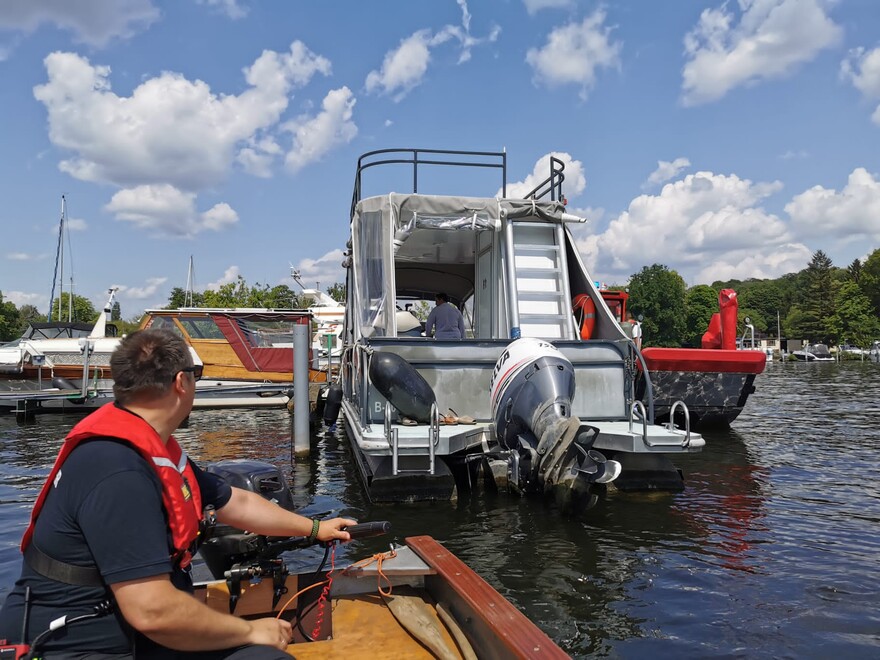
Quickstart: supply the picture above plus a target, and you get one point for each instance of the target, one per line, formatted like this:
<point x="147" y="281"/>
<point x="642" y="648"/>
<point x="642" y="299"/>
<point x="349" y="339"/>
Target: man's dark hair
<point x="442" y="297"/>
<point x="146" y="362"/>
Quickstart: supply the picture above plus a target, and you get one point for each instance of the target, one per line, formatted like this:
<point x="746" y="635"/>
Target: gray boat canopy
<point x="409" y="244"/>
<point x="409" y="212"/>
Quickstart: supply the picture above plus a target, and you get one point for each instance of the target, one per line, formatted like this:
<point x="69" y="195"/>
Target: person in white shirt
<point x="636" y="330"/>
<point x="444" y="320"/>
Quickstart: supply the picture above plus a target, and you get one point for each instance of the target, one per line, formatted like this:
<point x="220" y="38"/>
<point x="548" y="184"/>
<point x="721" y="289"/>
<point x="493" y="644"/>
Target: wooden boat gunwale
<point x="494" y="627"/>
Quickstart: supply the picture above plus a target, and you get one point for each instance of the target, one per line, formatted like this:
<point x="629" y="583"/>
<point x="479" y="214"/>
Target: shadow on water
<point x="771" y="550"/>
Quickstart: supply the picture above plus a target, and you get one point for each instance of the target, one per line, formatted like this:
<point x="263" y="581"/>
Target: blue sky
<point x="723" y="139"/>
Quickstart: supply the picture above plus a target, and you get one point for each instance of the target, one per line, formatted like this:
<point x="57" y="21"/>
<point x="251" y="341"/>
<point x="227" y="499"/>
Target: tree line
<point x="14" y="321"/>
<point x="821" y="304"/>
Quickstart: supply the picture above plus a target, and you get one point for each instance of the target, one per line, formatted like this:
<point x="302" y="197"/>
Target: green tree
<point x="854" y="319"/>
<point x="755" y="317"/>
<point x="763" y="298"/>
<point x="854" y="270"/>
<point x="658" y="294"/>
<point x="28" y="314"/>
<point x="10" y="320"/>
<point x="796" y="323"/>
<point x="701" y="302"/>
<point x="116" y="311"/>
<point x="337" y="292"/>
<point x="83" y="309"/>
<point x="179" y="298"/>
<point x="817" y="303"/>
<point x="870" y="279"/>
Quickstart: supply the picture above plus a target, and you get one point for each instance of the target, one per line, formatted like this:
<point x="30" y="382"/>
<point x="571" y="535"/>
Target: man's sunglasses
<point x="195" y="370"/>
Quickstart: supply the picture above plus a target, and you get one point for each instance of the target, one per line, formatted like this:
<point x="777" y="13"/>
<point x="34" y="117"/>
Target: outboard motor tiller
<point x="226" y="545"/>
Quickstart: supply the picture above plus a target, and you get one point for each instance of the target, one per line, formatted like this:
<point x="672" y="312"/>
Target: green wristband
<point x="316" y="524"/>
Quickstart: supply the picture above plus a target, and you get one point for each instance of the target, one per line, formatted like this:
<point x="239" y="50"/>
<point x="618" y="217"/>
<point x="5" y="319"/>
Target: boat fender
<point x="585" y="313"/>
<point x="404" y="387"/>
<point x="332" y="404"/>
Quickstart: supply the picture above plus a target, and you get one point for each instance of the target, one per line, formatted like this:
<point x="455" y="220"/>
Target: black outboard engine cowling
<point x="226" y="545"/>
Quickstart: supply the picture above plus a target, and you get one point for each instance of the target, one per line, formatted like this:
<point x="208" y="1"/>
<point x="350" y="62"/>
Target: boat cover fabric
<point x="255" y="358"/>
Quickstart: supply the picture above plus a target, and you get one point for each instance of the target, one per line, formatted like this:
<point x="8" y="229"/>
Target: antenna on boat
<point x="294" y="273"/>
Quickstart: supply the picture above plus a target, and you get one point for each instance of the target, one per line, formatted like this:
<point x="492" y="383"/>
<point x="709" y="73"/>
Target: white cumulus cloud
<point x="574" y="53"/>
<point x="230" y="275"/>
<point x="574" y="184"/>
<point x="666" y="171"/>
<point x="315" y="136"/>
<point x="705" y="223"/>
<point x="170" y="130"/>
<point x="19" y="298"/>
<point x="94" y="22"/>
<point x="167" y="211"/>
<point x="852" y="214"/>
<point x="862" y="69"/>
<point x="404" y="67"/>
<point x="771" y="39"/>
<point x="327" y="270"/>
<point x="148" y="290"/>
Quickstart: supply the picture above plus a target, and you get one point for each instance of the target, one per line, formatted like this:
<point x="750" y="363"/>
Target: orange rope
<point x="378" y="558"/>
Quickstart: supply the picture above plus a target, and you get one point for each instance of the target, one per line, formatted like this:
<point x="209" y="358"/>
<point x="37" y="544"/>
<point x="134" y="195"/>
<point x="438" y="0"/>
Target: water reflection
<point x="771" y="551"/>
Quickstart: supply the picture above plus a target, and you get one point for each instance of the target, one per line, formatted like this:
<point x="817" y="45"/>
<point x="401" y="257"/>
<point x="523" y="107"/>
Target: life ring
<point x="585" y="313"/>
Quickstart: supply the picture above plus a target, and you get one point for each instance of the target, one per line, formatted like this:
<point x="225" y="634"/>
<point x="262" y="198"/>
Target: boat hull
<point x="714" y="384"/>
<point x="434" y="597"/>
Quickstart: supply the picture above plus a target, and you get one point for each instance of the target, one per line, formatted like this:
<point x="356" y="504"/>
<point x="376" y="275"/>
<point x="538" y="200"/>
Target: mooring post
<point x="301" y="389"/>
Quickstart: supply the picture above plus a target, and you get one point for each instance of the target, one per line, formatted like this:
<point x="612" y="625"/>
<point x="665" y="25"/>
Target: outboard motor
<point x="226" y="545"/>
<point x="548" y="451"/>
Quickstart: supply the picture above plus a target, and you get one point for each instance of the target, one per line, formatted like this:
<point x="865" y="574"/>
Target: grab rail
<point x="638" y="406"/>
<point x="393" y="439"/>
<point x="687" y="421"/>
<point x="411" y="157"/>
<point x="552" y="185"/>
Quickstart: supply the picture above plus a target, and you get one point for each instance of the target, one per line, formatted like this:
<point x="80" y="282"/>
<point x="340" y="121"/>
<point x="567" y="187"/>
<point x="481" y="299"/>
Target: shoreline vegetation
<point x="822" y="303"/>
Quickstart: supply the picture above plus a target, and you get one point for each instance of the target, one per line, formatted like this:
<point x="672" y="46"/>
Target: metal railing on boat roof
<point x="423" y="157"/>
<point x="552" y="185"/>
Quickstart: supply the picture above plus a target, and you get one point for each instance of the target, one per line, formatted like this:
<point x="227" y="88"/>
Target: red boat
<point x="714" y="382"/>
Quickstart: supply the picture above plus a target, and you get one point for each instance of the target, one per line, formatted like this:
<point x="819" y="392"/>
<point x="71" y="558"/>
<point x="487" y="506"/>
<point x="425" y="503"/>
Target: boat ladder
<point x="391" y="435"/>
<point x="637" y="411"/>
<point x="543" y="299"/>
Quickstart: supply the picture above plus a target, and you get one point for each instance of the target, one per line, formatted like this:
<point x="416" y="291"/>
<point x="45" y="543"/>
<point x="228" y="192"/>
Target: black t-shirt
<point x="105" y="510"/>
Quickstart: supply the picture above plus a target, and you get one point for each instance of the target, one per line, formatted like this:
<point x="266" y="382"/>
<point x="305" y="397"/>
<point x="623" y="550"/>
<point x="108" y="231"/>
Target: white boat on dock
<point x="544" y="409"/>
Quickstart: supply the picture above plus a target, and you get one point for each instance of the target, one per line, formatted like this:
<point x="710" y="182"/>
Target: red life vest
<point x="181" y="497"/>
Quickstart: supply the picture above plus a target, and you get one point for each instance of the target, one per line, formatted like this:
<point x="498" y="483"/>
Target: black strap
<point x="80" y="576"/>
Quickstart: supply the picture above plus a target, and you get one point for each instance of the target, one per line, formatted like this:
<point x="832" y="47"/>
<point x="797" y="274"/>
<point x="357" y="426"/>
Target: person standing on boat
<point x="119" y="519"/>
<point x="636" y="330"/>
<point x="444" y="320"/>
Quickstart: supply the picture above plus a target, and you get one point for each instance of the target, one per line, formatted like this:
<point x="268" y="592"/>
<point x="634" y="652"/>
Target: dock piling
<point x="301" y="439"/>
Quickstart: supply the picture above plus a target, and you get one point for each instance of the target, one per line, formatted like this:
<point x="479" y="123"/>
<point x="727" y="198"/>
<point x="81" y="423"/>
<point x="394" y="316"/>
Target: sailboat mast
<point x="188" y="294"/>
<point x="57" y="256"/>
<point x="61" y="250"/>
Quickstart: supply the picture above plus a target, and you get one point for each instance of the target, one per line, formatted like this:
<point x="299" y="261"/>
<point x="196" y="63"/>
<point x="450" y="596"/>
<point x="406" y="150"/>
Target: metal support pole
<point x="86" y="346"/>
<point x="510" y="273"/>
<point x="301" y="389"/>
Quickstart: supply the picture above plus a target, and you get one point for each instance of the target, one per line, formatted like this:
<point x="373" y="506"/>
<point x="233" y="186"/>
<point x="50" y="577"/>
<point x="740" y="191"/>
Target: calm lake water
<point x="773" y="549"/>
